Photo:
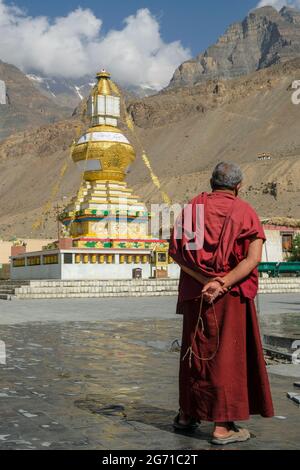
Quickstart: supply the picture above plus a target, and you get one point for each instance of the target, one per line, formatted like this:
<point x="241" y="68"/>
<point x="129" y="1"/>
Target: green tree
<point x="295" y="253"/>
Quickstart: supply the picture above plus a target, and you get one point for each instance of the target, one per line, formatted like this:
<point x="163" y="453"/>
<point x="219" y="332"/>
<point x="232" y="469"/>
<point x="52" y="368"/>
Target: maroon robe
<point x="225" y="379"/>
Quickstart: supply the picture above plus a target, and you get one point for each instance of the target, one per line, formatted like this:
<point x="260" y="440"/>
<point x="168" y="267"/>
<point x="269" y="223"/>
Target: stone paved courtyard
<point x="102" y="374"/>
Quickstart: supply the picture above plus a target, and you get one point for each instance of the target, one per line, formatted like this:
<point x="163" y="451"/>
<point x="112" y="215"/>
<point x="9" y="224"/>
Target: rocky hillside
<point x="265" y="37"/>
<point x="25" y="106"/>
<point x="185" y="132"/>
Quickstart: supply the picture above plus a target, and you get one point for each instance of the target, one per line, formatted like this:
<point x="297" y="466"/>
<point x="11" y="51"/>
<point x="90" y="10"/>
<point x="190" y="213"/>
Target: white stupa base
<point x="72" y="270"/>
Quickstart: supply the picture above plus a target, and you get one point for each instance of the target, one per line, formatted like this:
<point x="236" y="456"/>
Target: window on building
<point x="50" y="259"/>
<point x="68" y="258"/>
<point x="161" y="257"/>
<point x="33" y="260"/>
<point x="287" y="242"/>
<point x="18" y="262"/>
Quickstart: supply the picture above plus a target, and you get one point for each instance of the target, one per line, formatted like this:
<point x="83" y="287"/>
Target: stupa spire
<point x="104" y="101"/>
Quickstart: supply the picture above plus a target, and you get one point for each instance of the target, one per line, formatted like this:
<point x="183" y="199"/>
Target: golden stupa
<point x="105" y="213"/>
<point x="106" y="227"/>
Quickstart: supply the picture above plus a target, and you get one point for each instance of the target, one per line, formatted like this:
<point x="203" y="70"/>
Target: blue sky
<point x="196" y="23"/>
<point x="141" y="42"/>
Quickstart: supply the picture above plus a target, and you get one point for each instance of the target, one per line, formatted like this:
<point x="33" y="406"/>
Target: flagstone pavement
<point x="102" y="374"/>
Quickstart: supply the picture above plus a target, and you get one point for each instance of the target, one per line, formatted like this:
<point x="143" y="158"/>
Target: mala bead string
<point x="190" y="350"/>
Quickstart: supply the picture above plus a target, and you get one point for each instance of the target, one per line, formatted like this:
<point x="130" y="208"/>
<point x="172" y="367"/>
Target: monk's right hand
<point x="220" y="280"/>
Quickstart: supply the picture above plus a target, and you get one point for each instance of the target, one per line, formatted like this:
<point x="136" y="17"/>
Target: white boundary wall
<point x="86" y="271"/>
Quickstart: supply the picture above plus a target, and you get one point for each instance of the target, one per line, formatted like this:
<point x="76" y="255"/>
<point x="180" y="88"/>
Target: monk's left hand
<point x="212" y="290"/>
<point x="213" y="285"/>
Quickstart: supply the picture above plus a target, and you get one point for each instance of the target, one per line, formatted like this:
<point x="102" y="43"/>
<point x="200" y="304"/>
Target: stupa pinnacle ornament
<point x="104" y="101"/>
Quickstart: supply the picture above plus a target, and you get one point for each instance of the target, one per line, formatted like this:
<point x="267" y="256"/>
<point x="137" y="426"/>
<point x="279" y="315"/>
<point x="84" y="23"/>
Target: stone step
<point x="99" y="283"/>
<point x="7" y="290"/>
<point x="275" y="353"/>
<point x="118" y="288"/>
<point x="285" y="284"/>
<point x="279" y="291"/>
<point x="126" y="289"/>
<point x="10" y="282"/>
<point x="280" y="286"/>
<point x="92" y="295"/>
<point x="5" y="297"/>
<point x="279" y="280"/>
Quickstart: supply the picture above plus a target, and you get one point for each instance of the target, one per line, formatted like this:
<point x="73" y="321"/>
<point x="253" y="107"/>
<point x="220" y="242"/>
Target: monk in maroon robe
<point x="222" y="376"/>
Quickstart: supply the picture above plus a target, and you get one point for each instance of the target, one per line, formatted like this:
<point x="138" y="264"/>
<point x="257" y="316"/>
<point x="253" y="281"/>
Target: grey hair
<point x="226" y="175"/>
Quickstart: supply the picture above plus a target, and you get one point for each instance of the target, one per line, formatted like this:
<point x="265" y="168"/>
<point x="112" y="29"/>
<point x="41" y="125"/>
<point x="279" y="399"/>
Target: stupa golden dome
<point x="103" y="152"/>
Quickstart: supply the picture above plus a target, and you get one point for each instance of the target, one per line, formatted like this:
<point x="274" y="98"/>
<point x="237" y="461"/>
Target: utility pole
<point x="57" y="212"/>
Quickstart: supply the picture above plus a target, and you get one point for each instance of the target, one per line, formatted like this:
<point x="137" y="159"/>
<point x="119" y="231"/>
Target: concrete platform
<point x="101" y="374"/>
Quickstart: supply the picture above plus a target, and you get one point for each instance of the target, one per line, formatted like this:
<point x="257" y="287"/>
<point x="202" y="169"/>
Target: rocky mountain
<point x="185" y="132"/>
<point x="63" y="91"/>
<point x="22" y="106"/>
<point x="28" y="101"/>
<point x="264" y="38"/>
<point x="70" y="92"/>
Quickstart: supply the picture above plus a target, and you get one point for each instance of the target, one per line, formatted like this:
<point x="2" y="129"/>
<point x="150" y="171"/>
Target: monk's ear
<point x="237" y="189"/>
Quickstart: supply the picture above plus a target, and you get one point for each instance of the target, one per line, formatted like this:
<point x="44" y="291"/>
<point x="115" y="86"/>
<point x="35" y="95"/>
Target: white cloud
<point x="73" y="46"/>
<point x="278" y="4"/>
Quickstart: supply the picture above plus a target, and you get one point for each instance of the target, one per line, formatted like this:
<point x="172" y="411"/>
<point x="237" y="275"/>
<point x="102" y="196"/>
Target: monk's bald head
<point x="226" y="175"/>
